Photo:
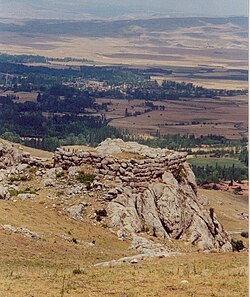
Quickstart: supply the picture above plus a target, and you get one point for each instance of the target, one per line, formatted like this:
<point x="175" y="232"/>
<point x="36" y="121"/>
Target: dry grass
<point x="78" y="148"/>
<point x="227" y="206"/>
<point x="48" y="267"/>
<point x="35" y="152"/>
<point x="199" y="275"/>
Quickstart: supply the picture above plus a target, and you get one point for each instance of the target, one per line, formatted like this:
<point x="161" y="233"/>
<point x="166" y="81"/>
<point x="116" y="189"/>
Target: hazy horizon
<point x="62" y="9"/>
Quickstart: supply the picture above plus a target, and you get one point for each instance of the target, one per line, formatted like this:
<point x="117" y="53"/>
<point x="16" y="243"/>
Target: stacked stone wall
<point x="136" y="173"/>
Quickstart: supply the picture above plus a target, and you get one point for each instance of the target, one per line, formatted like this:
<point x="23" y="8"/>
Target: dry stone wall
<point x="136" y="173"/>
<point x="12" y="155"/>
<point x="154" y="191"/>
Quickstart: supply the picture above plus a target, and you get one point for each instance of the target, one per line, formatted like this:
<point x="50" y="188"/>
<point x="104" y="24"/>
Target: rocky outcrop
<point x="138" y="190"/>
<point x="145" y="249"/>
<point x="151" y="191"/>
<point x="9" y="155"/>
<point x="12" y="155"/>
<point x="118" y="146"/>
<point x="170" y="210"/>
<point x="76" y="211"/>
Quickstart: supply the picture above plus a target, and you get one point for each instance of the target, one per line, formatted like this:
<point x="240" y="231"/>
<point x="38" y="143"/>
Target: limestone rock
<point x="145" y="246"/>
<point x="48" y="182"/>
<point x="26" y="196"/>
<point x="4" y="193"/>
<point x="76" y="211"/>
<point x="112" y="146"/>
<point x="123" y="213"/>
<point x="21" y="230"/>
<point x="169" y="209"/>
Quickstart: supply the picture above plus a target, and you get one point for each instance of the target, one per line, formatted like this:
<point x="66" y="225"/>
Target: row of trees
<point x="24" y="59"/>
<point x="216" y="174"/>
<point x="180" y="142"/>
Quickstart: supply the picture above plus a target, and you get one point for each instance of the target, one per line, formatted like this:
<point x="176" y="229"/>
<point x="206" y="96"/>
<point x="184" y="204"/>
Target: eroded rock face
<point x="170" y="209"/>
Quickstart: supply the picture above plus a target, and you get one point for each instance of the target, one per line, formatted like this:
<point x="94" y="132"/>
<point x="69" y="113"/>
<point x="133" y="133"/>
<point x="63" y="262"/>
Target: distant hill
<point x="63" y="9"/>
<point x="122" y="28"/>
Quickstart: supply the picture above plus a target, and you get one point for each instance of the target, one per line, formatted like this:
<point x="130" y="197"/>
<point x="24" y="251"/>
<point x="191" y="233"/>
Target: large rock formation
<point x="151" y="190"/>
<point x="141" y="189"/>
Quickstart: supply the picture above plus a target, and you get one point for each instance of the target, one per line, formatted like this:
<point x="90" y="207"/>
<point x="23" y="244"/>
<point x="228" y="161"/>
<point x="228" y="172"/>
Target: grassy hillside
<point x="57" y="266"/>
<point x="197" y="275"/>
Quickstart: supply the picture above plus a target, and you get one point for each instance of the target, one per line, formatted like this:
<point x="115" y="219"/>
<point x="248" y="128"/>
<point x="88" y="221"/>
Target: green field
<point x="219" y="161"/>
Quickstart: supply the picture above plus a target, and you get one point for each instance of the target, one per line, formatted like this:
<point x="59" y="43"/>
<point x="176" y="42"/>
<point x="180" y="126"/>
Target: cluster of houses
<point x="239" y="188"/>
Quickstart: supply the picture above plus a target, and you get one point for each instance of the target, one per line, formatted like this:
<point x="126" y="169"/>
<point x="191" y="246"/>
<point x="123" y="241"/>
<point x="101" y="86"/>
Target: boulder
<point x="4" y="193"/>
<point x="26" y="196"/>
<point x="76" y="211"/>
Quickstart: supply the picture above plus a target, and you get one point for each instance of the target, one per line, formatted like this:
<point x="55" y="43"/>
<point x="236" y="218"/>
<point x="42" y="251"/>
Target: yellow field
<point x="210" y="45"/>
<point x="227" y="117"/>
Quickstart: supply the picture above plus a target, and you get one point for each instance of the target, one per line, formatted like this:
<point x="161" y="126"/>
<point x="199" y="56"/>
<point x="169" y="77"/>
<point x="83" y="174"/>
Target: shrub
<point x="19" y="178"/>
<point x="78" y="270"/>
<point x="32" y="169"/>
<point x="85" y="178"/>
<point x="244" y="234"/>
<point x="13" y="192"/>
<point x="237" y="245"/>
<point x="60" y="174"/>
<point x="59" y="193"/>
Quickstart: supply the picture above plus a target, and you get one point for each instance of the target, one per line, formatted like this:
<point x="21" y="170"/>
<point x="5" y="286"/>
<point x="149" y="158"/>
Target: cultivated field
<point x="201" y="161"/>
<point x="21" y="97"/>
<point x="220" y="44"/>
<point x="227" y="116"/>
<point x="217" y="83"/>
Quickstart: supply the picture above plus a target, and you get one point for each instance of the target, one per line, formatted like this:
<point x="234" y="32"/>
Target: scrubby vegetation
<point x="85" y="178"/>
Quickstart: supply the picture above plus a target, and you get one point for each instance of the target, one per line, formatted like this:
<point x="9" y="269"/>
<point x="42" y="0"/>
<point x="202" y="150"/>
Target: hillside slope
<point x="53" y="229"/>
